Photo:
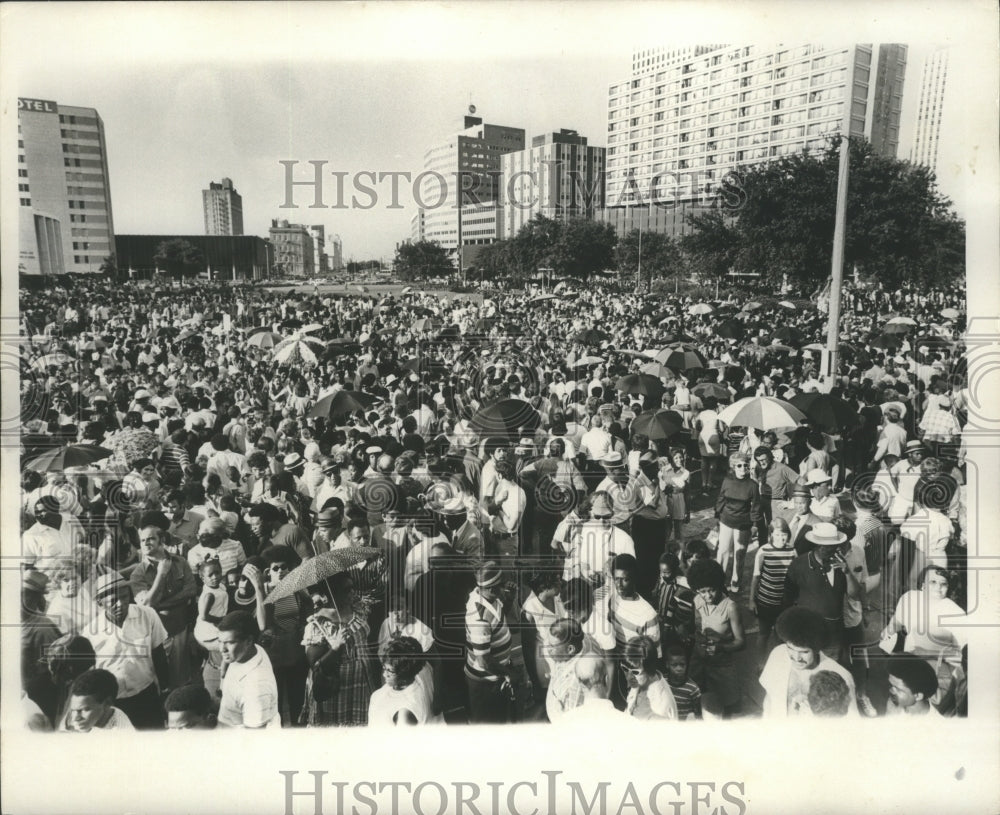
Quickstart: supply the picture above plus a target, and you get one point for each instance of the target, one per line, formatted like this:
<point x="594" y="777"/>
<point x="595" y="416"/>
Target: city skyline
<point x="225" y="119"/>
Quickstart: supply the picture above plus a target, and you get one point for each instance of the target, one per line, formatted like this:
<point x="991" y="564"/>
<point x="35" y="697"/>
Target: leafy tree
<point x="422" y="259"/>
<point x="899" y="227"/>
<point x="179" y="258"/>
<point x="109" y="266"/>
<point x="660" y="256"/>
<point x="583" y="247"/>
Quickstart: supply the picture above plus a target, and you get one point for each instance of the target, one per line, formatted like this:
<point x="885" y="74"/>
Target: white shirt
<point x="595" y="443"/>
<point x="128" y="651"/>
<point x="591" y="546"/>
<point x="43" y="545"/>
<point x="777" y="676"/>
<point x="250" y="694"/>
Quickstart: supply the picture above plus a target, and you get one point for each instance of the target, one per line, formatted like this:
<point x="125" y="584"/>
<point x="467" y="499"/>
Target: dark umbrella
<point x="292" y="322"/>
<point x="258" y="330"/>
<point x="886" y="343"/>
<point x="322" y="567"/>
<point x="731" y="330"/>
<point x="449" y="331"/>
<point x="506" y="418"/>
<point x="342" y="347"/>
<point x="74" y="455"/>
<point x="591" y="336"/>
<point x="734" y="374"/>
<point x="681" y="358"/>
<point x="659" y="424"/>
<point x="830" y="413"/>
<point x="640" y="383"/>
<point x="789" y="334"/>
<point x="897" y="328"/>
<point x="341" y="402"/>
<point x="705" y="389"/>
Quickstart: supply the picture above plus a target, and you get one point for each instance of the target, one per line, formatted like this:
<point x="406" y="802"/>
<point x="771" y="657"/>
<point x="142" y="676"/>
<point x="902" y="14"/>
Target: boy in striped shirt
<point x="686" y="692"/>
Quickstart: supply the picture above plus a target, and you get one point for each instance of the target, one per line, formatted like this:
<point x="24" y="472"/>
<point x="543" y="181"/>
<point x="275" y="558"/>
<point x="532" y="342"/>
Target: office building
<point x="223" y="209"/>
<point x="930" y="111"/>
<point x="64" y="192"/>
<point x="336" y="254"/>
<point x="225" y="257"/>
<point x="470" y="159"/>
<point x="687" y="117"/>
<point x="320" y="260"/>
<point x="559" y="176"/>
<point x="293" y="249"/>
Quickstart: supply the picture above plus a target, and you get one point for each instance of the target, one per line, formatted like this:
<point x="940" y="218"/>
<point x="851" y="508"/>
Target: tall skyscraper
<point x="66" y="223"/>
<point x="927" y="134"/>
<point x="293" y="249"/>
<point x="223" y="209"/>
<point x="687" y="117"/>
<point x="318" y="233"/>
<point x="559" y="177"/>
<point x="336" y="253"/>
<point x="470" y="159"/>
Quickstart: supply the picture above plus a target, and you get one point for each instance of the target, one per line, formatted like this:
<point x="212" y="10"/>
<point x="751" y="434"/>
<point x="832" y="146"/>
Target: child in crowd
<point x="190" y="708"/>
<point x="686" y="692"/>
<point x="213" y="604"/>
<point x="92" y="704"/>
<point x="768" y="581"/>
<point x="829" y="694"/>
<point x="674" y="482"/>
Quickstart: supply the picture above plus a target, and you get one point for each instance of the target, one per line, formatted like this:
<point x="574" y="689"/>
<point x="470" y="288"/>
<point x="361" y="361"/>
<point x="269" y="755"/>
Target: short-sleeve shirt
<point x="486" y="634"/>
<point x="128" y="651"/>
<point x="655" y="701"/>
<point x="250" y="694"/>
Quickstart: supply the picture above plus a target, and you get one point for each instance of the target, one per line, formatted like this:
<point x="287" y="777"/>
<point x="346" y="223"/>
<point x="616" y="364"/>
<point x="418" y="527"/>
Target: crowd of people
<point x="250" y="508"/>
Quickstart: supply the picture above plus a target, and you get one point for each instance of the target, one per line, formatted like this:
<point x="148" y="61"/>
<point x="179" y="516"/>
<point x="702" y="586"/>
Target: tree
<point x="109" y="266"/>
<point x="422" y="259"/>
<point x="583" y="247"/>
<point x="179" y="258"/>
<point x="660" y="256"/>
<point x="899" y="227"/>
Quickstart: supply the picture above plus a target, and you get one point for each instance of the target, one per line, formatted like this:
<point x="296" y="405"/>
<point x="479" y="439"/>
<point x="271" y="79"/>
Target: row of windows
<point x="88" y="219"/>
<point x="80" y="134"/>
<point x="82" y="162"/>
<point x="71" y="176"/>
<point x="76" y="232"/>
<point x="91" y="149"/>
<point x="76" y="120"/>
<point x="85" y="191"/>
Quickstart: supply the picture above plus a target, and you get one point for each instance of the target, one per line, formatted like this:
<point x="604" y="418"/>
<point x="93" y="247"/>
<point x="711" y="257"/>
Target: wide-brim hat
<point x="293" y="460"/>
<point x="913" y="446"/>
<point x="488" y="575"/>
<point x="817" y="476"/>
<point x="109" y="584"/>
<point x="612" y="461"/>
<point x="825" y="534"/>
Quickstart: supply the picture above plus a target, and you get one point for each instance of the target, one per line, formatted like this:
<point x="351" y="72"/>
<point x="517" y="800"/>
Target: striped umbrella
<point x="264" y="339"/>
<point x="762" y="413"/>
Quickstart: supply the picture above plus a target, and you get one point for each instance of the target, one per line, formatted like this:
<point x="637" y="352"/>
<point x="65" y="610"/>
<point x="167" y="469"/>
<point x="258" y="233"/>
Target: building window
<point x="22" y="173"/>
<point x="25" y="202"/>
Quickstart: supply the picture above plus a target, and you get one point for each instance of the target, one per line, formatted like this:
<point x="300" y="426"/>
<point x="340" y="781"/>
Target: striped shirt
<point x="631" y="619"/>
<point x="674" y="606"/>
<point x="486" y="635"/>
<point x="772" y="564"/>
<point x="687" y="695"/>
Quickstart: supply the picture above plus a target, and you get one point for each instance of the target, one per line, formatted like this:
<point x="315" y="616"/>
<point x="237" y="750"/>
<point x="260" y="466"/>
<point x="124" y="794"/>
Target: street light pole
<point x="837" y="261"/>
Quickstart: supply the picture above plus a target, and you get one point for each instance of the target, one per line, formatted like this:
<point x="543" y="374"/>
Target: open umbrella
<point x="762" y="413"/>
<point x="700" y="308"/>
<point x="292" y="322"/>
<point x="584" y="361"/>
<point x="753" y="305"/>
<point x="311" y="327"/>
<point x="506" y="418"/>
<point x="292" y="350"/>
<point x="657" y="424"/>
<point x="541" y="298"/>
<point x="787" y="304"/>
<point x="591" y="336"/>
<point x="407" y="290"/>
<point x="902" y="321"/>
<point x="828" y="412"/>
<point x="950" y="313"/>
<point x="779" y="348"/>
<point x="342" y="346"/>
<point x="731" y="330"/>
<point x="886" y="343"/>
<point x="449" y="331"/>
<point x="424" y="325"/>
<point x="341" y="402"/>
<point x="656" y="369"/>
<point x="630" y="353"/>
<point x="322" y="567"/>
<point x="264" y="339"/>
<point x="897" y="328"/>
<point x="714" y="389"/>
<point x="73" y="455"/>
<point x="640" y="383"/>
<point x="681" y="358"/>
<point x="789" y="334"/>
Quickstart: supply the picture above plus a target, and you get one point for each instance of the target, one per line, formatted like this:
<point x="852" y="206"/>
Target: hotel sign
<point x="37" y="105"/>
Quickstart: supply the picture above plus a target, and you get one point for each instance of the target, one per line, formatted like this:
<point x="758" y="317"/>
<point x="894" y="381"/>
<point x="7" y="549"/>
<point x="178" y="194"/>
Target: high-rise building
<point x="688" y="117"/>
<point x="470" y="160"/>
<point x="293" y="249"/>
<point x="64" y="190"/>
<point x="927" y="134"/>
<point x="559" y="177"/>
<point x="318" y="233"/>
<point x="223" y="209"/>
<point x="336" y="254"/>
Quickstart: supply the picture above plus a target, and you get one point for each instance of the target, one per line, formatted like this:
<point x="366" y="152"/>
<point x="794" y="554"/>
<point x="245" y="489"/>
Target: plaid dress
<point x="353" y="684"/>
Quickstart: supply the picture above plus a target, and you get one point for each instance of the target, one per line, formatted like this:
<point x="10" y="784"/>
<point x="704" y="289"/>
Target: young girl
<point x="213" y="604"/>
<point x="767" y="584"/>
<point x="718" y="634"/>
<point x="674" y="481"/>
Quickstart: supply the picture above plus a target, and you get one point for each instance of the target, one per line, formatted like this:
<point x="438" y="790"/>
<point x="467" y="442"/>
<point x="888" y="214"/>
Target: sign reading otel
<point x="37" y="105"/>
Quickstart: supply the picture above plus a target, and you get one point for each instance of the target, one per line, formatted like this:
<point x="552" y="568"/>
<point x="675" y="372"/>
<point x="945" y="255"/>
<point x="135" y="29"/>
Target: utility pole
<point x="837" y="262"/>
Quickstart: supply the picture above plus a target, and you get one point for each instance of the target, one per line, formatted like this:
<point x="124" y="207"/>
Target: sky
<point x="192" y="93"/>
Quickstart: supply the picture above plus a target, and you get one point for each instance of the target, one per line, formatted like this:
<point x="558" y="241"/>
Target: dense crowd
<point x="247" y="508"/>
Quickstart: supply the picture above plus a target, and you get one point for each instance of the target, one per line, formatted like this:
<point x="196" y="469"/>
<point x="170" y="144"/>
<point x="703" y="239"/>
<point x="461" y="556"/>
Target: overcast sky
<point x="192" y="93"/>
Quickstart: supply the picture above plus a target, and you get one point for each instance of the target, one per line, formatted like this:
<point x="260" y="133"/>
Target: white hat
<point x="613" y="459"/>
<point x="817" y="476"/>
<point x="825" y="534"/>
